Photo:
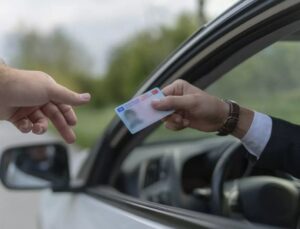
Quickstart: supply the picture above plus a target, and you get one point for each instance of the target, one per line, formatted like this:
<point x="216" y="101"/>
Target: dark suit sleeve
<point x="283" y="149"/>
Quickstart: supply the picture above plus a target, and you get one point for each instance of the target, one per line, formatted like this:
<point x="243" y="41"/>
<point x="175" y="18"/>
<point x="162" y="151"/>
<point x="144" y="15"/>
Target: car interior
<point x="192" y="170"/>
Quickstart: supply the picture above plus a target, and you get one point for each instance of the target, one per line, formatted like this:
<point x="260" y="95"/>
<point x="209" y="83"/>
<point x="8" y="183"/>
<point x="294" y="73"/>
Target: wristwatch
<point x="232" y="119"/>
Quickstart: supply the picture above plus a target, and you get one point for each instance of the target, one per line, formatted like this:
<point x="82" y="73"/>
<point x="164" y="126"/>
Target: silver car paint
<point x="79" y="211"/>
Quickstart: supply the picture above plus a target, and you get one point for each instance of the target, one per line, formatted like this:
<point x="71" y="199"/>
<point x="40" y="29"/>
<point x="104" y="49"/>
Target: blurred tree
<point x="272" y="71"/>
<point x="201" y="11"/>
<point x="132" y="61"/>
<point x="54" y="53"/>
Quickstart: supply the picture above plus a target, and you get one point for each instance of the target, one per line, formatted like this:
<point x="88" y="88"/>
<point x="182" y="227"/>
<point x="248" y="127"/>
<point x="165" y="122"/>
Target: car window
<point x="267" y="82"/>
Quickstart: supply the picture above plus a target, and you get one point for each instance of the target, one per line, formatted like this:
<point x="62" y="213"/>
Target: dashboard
<point x="169" y="173"/>
<point x="180" y="174"/>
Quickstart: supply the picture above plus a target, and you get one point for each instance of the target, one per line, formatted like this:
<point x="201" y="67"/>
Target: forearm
<point x="6" y="82"/>
<point x="3" y="69"/>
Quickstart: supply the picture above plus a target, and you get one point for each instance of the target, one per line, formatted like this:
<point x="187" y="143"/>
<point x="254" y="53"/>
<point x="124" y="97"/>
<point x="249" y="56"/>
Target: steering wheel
<point x="218" y="202"/>
<point x="262" y="199"/>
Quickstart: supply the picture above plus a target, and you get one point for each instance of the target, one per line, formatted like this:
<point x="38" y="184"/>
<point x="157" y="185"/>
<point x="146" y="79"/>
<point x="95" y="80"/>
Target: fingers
<point x="59" y="121"/>
<point x="30" y="119"/>
<point x="175" y="88"/>
<point x="68" y="113"/>
<point x="63" y="95"/>
<point x="35" y="119"/>
<point x="40" y="122"/>
<point x="22" y="113"/>
<point x="173" y="126"/>
<point x="20" y="119"/>
<point x="169" y="90"/>
<point x="24" y="125"/>
<point x="176" y="122"/>
<point x="184" y="102"/>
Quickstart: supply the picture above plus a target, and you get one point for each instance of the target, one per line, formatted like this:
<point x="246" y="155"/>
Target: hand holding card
<point x="138" y="113"/>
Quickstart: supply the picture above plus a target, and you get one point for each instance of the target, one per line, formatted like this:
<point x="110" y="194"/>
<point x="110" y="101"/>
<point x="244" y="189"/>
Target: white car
<point x="127" y="182"/>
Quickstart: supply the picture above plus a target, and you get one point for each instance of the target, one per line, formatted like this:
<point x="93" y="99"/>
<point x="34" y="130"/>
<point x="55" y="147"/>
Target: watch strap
<point x="232" y="119"/>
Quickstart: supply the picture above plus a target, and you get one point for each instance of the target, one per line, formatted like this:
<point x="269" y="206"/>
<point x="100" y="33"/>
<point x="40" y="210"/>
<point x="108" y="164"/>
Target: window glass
<point x="267" y="82"/>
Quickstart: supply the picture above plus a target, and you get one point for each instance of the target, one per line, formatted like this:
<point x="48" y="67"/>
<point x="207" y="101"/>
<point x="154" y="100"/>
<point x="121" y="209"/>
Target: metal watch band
<point x="232" y="119"/>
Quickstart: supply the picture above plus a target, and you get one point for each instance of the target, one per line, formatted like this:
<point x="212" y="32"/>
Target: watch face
<point x="231" y="123"/>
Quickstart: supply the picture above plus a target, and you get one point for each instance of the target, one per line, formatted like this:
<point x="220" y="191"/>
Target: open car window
<point x="171" y="173"/>
<point x="268" y="82"/>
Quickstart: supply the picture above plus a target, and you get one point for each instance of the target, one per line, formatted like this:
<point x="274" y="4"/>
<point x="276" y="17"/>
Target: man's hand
<point x="196" y="109"/>
<point x="29" y="98"/>
<point x="193" y="108"/>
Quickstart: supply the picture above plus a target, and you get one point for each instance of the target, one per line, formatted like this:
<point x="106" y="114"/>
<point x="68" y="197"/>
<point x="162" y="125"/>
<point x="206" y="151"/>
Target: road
<point x="18" y="209"/>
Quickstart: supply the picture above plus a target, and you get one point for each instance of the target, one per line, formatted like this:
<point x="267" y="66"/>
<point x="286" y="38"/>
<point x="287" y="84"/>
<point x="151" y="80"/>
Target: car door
<point x="211" y="52"/>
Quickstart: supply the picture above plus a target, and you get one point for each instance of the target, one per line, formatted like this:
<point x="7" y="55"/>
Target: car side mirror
<point x="35" y="167"/>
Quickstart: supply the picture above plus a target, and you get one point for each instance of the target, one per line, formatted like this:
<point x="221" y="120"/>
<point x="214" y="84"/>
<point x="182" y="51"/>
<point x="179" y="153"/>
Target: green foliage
<point x="55" y="53"/>
<point x="92" y="123"/>
<point x="134" y="60"/>
<point x="272" y="71"/>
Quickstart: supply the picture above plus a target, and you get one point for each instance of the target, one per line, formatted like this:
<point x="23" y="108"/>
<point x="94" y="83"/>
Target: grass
<point x="91" y="124"/>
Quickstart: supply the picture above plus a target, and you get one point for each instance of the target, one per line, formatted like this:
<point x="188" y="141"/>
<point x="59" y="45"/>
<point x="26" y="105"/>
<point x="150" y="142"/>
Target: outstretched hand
<point x="29" y="99"/>
<point x="193" y="108"/>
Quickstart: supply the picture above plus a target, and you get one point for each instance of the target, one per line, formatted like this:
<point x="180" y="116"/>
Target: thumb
<point x="173" y="103"/>
<point x="61" y="94"/>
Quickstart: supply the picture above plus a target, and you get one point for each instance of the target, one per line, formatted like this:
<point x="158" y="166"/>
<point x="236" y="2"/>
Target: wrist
<point x="223" y="113"/>
<point x="228" y="113"/>
<point x="232" y="118"/>
<point x="244" y="123"/>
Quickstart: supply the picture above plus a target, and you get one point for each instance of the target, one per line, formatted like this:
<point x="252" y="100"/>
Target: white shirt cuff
<point x="258" y="135"/>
